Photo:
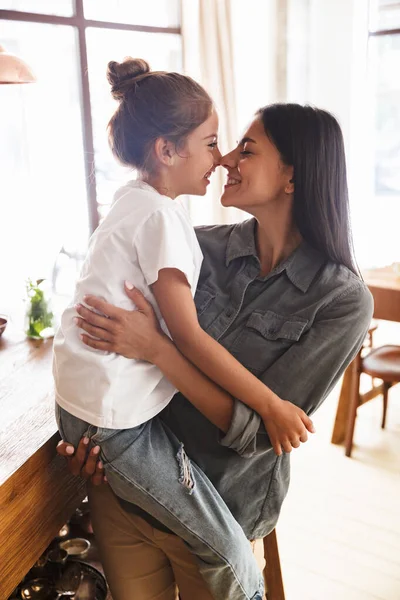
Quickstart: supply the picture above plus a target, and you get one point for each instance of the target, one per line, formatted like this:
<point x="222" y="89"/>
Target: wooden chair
<point x="382" y="363"/>
<point x="272" y="571"/>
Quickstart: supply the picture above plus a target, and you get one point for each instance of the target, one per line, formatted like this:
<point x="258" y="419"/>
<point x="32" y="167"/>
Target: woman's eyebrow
<point x="212" y="135"/>
<point x="244" y="140"/>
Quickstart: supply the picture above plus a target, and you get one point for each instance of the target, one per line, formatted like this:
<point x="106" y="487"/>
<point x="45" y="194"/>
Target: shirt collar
<point x="300" y="267"/>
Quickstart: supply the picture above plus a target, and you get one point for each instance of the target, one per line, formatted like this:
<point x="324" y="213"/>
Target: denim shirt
<point x="296" y="329"/>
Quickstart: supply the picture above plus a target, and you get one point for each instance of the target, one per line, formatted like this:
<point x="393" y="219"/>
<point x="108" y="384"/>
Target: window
<point x="384" y="53"/>
<point x="382" y="213"/>
<point x="57" y="174"/>
<point x="157" y="13"/>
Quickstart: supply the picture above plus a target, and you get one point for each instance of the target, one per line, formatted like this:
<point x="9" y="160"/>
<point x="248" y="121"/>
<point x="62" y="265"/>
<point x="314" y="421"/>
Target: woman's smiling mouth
<point x="231" y="182"/>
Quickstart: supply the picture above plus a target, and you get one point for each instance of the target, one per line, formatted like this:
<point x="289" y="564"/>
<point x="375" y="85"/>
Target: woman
<point x="282" y="293"/>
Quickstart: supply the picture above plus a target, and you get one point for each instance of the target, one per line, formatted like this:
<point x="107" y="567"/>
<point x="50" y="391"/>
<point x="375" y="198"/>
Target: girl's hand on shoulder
<point x="133" y="334"/>
<point x="81" y="463"/>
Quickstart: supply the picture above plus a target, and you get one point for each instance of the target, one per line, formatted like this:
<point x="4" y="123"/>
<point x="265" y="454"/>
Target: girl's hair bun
<point x="122" y="75"/>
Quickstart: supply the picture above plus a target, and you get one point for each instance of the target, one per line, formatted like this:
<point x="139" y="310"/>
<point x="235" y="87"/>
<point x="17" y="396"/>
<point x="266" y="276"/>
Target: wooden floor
<point x="339" y="531"/>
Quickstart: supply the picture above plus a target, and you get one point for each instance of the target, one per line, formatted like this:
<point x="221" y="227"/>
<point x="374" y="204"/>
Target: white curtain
<point x="208" y="58"/>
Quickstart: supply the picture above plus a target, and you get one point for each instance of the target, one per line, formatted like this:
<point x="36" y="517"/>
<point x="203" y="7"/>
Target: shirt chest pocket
<point x="205" y="306"/>
<point x="265" y="337"/>
<point x="203" y="298"/>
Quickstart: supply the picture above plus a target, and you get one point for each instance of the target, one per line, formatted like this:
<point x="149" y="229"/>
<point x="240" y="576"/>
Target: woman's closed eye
<point x="244" y="148"/>
<point x="213" y="145"/>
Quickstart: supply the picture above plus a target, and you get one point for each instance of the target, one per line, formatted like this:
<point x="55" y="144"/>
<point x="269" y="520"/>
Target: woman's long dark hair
<point x="310" y="140"/>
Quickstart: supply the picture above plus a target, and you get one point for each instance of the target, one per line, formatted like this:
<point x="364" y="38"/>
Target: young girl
<point x="165" y="127"/>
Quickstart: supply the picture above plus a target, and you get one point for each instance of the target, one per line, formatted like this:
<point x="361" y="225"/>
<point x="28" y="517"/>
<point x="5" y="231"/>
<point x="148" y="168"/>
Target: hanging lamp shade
<point x="13" y="69"/>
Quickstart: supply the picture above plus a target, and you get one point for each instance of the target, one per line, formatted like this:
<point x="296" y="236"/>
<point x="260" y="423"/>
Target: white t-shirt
<point x="143" y="233"/>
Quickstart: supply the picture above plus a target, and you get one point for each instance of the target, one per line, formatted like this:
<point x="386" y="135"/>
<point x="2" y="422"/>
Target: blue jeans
<point x="147" y="466"/>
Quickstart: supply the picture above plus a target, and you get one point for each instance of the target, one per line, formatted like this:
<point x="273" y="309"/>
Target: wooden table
<point x="37" y="494"/>
<point x="385" y="288"/>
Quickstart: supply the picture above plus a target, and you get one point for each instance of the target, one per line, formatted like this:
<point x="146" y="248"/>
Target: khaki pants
<point x="141" y="562"/>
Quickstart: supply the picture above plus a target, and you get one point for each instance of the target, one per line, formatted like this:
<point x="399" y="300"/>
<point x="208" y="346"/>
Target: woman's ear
<point x="164" y="151"/>
<point x="289" y="188"/>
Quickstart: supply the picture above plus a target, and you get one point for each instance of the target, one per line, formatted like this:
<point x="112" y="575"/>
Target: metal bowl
<point x="57" y="556"/>
<point x="77" y="547"/>
<point x="93" y="586"/>
<point x="37" y="589"/>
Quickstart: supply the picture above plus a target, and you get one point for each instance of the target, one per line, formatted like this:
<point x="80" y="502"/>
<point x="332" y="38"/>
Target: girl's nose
<point x="217" y="156"/>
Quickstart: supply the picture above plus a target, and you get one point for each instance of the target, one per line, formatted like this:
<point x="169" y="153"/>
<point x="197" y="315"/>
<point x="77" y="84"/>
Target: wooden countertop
<point x="26" y="391"/>
<point x="37" y="494"/>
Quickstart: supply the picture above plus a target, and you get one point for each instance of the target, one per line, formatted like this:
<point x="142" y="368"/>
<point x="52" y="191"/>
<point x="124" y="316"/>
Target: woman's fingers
<point x="94" y="319"/>
<point x="137" y="297"/>
<point x="89" y="466"/>
<point x="104" y="307"/>
<point x="295" y="443"/>
<point x="78" y="460"/>
<point x="96" y="344"/>
<point x="65" y="449"/>
<point x="98" y="476"/>
<point x="94" y="331"/>
<point x="82" y="464"/>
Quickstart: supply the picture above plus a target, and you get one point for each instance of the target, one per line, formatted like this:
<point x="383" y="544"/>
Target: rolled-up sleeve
<point x="309" y="369"/>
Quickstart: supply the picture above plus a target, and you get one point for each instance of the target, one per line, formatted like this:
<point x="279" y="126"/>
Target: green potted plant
<point x="39" y="317"/>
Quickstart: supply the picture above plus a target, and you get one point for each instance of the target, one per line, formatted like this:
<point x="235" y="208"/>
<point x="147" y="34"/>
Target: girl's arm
<point x="174" y="297"/>
<point x="217" y="406"/>
<point x="215" y="403"/>
<point x="136" y="334"/>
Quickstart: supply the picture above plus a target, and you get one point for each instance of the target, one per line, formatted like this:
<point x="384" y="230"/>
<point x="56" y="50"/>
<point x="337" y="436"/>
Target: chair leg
<point x="386" y="388"/>
<point x="354" y="402"/>
<point x="272" y="572"/>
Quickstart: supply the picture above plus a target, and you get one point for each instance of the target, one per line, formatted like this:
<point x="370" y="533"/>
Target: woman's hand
<point x="82" y="464"/>
<point x="131" y="333"/>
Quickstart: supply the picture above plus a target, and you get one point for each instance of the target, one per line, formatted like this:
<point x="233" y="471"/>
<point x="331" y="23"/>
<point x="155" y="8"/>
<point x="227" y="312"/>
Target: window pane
<point x="158" y="13"/>
<point x="42" y="179"/>
<point x="63" y="8"/>
<point x="385" y="60"/>
<point x="163" y="51"/>
<point x="385" y="14"/>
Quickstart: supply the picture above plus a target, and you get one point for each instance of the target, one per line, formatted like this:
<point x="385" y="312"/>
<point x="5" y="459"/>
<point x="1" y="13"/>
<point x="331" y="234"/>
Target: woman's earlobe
<point x="289" y="189"/>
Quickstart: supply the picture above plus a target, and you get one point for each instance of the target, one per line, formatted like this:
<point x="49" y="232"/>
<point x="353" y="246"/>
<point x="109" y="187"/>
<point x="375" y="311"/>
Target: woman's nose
<point x="229" y="160"/>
